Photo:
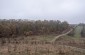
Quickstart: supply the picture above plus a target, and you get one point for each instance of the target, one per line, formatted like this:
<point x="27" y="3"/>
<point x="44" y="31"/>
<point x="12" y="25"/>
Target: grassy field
<point x="40" y="45"/>
<point x="46" y="37"/>
<point x="78" y="31"/>
<point x="31" y="45"/>
<point x="73" y="41"/>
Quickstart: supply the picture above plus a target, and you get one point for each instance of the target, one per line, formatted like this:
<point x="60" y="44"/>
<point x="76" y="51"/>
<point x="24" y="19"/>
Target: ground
<point x="41" y="45"/>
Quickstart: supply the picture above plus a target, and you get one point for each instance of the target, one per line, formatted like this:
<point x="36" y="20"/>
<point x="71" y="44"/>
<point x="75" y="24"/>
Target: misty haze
<point x="42" y="27"/>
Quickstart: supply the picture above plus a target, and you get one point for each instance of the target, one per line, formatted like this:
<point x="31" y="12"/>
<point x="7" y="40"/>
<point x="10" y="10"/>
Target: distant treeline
<point x="12" y="27"/>
<point x="72" y="33"/>
<point x="83" y="30"/>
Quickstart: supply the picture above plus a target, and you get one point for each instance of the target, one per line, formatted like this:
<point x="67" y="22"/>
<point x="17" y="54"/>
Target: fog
<point x="65" y="10"/>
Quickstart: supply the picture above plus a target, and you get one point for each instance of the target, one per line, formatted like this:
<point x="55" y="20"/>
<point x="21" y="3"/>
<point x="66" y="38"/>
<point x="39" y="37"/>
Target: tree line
<point x="13" y="28"/>
<point x="83" y="30"/>
<point x="72" y="33"/>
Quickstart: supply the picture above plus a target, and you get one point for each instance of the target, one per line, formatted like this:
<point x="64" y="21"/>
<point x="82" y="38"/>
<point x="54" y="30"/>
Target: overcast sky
<point x="69" y="10"/>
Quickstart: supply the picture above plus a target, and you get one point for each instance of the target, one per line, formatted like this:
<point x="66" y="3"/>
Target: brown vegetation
<point x="80" y="43"/>
<point x="9" y="28"/>
<point x="34" y="46"/>
<point x="23" y="37"/>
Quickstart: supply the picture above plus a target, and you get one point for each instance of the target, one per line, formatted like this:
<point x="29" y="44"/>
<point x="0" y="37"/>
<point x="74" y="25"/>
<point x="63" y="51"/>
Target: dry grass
<point x="46" y="49"/>
<point x="71" y="41"/>
<point x="32" y="45"/>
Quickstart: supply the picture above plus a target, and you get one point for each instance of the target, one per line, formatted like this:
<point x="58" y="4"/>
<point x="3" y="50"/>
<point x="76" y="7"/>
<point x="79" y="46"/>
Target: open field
<point x="70" y="41"/>
<point x="33" y="46"/>
<point x="52" y="44"/>
<point x="78" y="31"/>
<point x="41" y="45"/>
<point x="42" y="27"/>
<point x="75" y="41"/>
<point x="26" y="49"/>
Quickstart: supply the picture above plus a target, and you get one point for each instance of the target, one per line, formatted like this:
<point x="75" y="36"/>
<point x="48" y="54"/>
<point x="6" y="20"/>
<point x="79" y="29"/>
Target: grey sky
<point x="70" y="10"/>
